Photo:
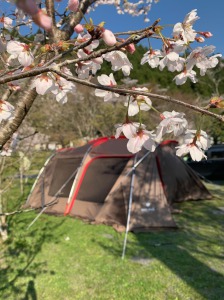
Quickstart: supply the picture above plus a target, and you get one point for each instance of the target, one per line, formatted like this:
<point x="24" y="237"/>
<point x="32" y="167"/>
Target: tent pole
<point x="38" y="176"/>
<point x="129" y="207"/>
<point x="138" y="162"/>
<point x="54" y="198"/>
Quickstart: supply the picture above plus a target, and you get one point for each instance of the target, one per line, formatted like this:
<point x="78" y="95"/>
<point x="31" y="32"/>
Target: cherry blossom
<point x="119" y="61"/>
<point x="129" y="129"/>
<point x="195" y="152"/>
<point x="89" y="67"/>
<point x="42" y="20"/>
<point x="201" y="138"/>
<point x="20" y="51"/>
<point x="84" y="38"/>
<point x="185" y="30"/>
<point x="6" y="110"/>
<point x="108" y="37"/>
<point x="172" y="58"/>
<point x="183" y="76"/>
<point x="138" y="102"/>
<point x="171" y="122"/>
<point x="7" y="22"/>
<point x="43" y="83"/>
<point x="106" y="81"/>
<point x="142" y="138"/>
<point x="62" y="88"/>
<point x="78" y="28"/>
<point x="152" y="57"/>
<point x="73" y="5"/>
<point x="195" y="142"/>
<point x="200" y="57"/>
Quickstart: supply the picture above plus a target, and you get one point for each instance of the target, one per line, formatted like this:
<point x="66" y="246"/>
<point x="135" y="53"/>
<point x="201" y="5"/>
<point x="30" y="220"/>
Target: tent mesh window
<point x="63" y="169"/>
<point x="95" y="188"/>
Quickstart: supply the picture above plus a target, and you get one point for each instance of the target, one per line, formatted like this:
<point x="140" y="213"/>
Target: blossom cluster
<point x="176" y="55"/>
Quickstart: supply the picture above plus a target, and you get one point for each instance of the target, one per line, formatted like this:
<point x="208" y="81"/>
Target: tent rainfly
<point x="105" y="184"/>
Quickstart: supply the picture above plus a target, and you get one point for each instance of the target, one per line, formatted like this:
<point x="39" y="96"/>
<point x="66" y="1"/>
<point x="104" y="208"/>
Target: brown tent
<point x="103" y="183"/>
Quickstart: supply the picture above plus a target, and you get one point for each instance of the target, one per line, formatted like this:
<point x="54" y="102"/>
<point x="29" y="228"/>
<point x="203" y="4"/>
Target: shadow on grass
<point x="194" y="252"/>
<point x="18" y="269"/>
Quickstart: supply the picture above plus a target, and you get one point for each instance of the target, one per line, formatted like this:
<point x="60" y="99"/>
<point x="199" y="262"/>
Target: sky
<point x="211" y="15"/>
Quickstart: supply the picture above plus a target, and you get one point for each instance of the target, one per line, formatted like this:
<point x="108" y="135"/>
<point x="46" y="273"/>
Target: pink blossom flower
<point x="206" y="34"/>
<point x="73" y="5"/>
<point x="42" y="20"/>
<point x="78" y="28"/>
<point x="108" y="37"/>
<point x="130" y="48"/>
<point x="199" y="39"/>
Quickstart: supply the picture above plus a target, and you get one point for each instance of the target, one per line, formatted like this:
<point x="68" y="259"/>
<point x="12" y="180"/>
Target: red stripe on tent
<point x="98" y="141"/>
<point x="167" y="142"/>
<point x="69" y="206"/>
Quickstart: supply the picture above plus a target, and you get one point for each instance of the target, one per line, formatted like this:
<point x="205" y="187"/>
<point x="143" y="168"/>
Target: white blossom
<point x="195" y="142"/>
<point x="138" y="102"/>
<point x="106" y="81"/>
<point x="142" y="138"/>
<point x="185" y="30"/>
<point x="6" y="110"/>
<point x="200" y="58"/>
<point x="183" y="76"/>
<point x="119" y="61"/>
<point x="171" y="122"/>
<point x="152" y="57"/>
<point x="195" y="152"/>
<point x="129" y="129"/>
<point x="62" y="88"/>
<point x="43" y="83"/>
<point x="20" y="51"/>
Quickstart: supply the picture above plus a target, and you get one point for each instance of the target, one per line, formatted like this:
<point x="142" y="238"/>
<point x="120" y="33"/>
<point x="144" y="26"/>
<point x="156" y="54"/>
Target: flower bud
<point x="200" y="39"/>
<point x="206" y="34"/>
<point x="78" y="28"/>
<point x="73" y="5"/>
<point x="108" y="37"/>
<point x="130" y="48"/>
<point x="42" y="20"/>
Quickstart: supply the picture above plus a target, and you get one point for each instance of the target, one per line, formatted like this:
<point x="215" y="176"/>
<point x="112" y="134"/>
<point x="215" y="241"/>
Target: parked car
<point x="211" y="168"/>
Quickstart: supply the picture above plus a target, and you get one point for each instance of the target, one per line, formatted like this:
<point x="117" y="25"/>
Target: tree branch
<point x="24" y="104"/>
<point x="123" y="91"/>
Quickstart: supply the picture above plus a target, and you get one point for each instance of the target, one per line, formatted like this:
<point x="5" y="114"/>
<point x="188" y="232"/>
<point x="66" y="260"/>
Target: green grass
<point x="60" y="258"/>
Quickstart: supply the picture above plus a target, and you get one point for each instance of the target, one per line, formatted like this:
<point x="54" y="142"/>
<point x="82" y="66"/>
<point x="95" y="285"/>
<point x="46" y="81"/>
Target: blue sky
<point x="211" y="15"/>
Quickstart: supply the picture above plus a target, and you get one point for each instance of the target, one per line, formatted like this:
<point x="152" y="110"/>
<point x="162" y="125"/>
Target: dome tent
<point x="105" y="184"/>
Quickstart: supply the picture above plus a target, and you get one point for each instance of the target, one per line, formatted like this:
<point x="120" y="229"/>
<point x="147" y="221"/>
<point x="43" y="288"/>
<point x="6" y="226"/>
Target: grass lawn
<point x="60" y="258"/>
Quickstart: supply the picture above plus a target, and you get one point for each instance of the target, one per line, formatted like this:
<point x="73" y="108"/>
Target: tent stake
<point x="129" y="208"/>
